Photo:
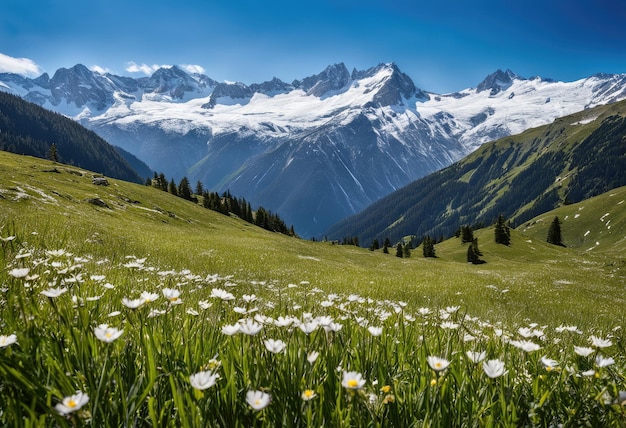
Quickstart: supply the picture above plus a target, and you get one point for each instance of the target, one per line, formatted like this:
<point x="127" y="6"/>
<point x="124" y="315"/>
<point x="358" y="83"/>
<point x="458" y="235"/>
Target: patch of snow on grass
<point x="20" y="194"/>
<point x="45" y="197"/>
<point x="147" y="209"/>
<point x="586" y="121"/>
<point x="309" y="258"/>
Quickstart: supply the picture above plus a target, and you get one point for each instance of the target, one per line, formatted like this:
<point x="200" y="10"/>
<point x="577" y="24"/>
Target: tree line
<point x="502" y="235"/>
<point x="225" y="203"/>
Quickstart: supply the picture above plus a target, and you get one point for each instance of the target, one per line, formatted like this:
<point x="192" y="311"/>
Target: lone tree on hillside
<point x="502" y="232"/>
<point x="475" y="245"/>
<point x="375" y="245"/>
<point x="466" y="234"/>
<point x="554" y="233"/>
<point x="399" y="250"/>
<point x="428" y="247"/>
<point x="53" y="153"/>
<point x="472" y="255"/>
<point x="407" y="250"/>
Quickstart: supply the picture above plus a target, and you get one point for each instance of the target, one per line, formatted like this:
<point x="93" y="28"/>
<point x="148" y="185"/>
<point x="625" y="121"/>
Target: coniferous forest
<point x="225" y="203"/>
<point x="27" y="129"/>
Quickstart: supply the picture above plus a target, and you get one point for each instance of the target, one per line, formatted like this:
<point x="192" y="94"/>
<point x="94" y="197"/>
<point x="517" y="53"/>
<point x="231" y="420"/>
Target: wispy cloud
<point x="192" y="68"/>
<point x="146" y="69"/>
<point x="24" y="66"/>
<point x="98" y="69"/>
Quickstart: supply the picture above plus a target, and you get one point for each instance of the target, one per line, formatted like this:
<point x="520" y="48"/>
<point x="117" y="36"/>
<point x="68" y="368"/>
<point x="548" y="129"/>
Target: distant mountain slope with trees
<point x="26" y="128"/>
<point x="519" y="177"/>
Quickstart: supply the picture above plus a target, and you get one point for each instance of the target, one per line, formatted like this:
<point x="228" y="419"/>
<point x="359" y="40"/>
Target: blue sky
<point x="443" y="45"/>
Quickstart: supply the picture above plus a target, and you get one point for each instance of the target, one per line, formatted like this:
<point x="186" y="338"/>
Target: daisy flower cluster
<point x="173" y="347"/>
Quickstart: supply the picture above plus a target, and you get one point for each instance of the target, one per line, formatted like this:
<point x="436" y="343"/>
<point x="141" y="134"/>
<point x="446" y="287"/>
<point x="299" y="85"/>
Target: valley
<point x="341" y="140"/>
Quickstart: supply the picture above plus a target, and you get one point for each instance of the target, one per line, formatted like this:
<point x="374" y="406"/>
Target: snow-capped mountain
<point x="506" y="104"/>
<point x="314" y="150"/>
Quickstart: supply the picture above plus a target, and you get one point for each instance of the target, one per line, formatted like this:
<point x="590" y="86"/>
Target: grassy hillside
<point x="52" y="200"/>
<point x="164" y="313"/>
<point x="521" y="176"/>
<point x="29" y="129"/>
<point x="594" y="226"/>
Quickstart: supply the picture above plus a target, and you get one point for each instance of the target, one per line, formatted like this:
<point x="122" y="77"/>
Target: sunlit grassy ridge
<point x="594" y="226"/>
<point x="177" y="234"/>
<point x="519" y="176"/>
<point x="198" y="276"/>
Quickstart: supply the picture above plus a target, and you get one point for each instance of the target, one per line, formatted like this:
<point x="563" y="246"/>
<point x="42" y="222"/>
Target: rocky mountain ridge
<point x="315" y="150"/>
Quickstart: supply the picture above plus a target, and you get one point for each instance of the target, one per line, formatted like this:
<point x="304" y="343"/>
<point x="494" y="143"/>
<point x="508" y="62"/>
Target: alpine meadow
<point x="312" y="214"/>
<point x="149" y="310"/>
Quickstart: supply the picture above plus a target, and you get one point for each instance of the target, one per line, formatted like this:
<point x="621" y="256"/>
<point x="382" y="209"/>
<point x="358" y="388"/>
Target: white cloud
<point x="23" y="66"/>
<point x="192" y="68"/>
<point x="98" y="69"/>
<point x="133" y="67"/>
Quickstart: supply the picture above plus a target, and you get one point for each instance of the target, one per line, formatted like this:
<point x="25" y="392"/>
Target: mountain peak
<point x="396" y="86"/>
<point x="169" y="72"/>
<point x="80" y="86"/>
<point x="498" y="81"/>
<point x="334" y="77"/>
<point x="176" y="82"/>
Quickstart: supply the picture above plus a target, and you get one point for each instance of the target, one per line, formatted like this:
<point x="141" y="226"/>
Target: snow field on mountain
<point x="294" y="110"/>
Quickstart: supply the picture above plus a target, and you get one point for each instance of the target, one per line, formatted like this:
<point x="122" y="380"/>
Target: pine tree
<point x="162" y="182"/>
<point x="475" y="245"/>
<point x="399" y="250"/>
<point x="554" y="233"/>
<point x="260" y="217"/>
<point x="407" y="250"/>
<point x="502" y="232"/>
<point x="184" y="189"/>
<point x="172" y="188"/>
<point x="53" y="153"/>
<point x="466" y="234"/>
<point x="471" y="256"/>
<point x="199" y="188"/>
<point x="428" y="247"/>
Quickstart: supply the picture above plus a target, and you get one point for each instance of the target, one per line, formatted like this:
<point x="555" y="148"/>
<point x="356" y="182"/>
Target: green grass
<point x="596" y="227"/>
<point x="143" y="377"/>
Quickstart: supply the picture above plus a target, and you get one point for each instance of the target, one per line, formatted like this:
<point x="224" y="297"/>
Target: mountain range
<point x="574" y="158"/>
<point x="315" y="150"/>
